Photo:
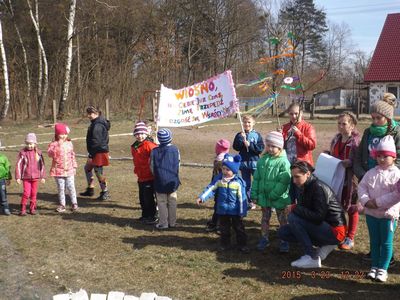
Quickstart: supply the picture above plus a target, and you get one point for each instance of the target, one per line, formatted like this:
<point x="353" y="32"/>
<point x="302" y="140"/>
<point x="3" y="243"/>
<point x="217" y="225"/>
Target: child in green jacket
<point x="5" y="177"/>
<point x="270" y="188"/>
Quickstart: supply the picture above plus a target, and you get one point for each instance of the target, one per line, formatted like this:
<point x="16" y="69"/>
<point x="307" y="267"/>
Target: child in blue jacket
<point x="231" y="202"/>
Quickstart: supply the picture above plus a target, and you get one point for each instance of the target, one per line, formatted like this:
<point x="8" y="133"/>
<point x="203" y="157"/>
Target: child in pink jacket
<point x="380" y="200"/>
<point x="63" y="167"/>
<point x="29" y="169"/>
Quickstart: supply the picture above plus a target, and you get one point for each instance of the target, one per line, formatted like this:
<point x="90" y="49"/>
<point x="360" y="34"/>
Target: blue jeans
<point x="246" y="175"/>
<point x="381" y="232"/>
<point x="3" y="194"/>
<point x="307" y="234"/>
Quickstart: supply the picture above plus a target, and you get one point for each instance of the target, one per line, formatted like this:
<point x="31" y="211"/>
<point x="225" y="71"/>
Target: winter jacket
<point x="5" y="168"/>
<point x="30" y="165"/>
<point x="141" y="159"/>
<point x="63" y="155"/>
<point x="360" y="164"/>
<point x="97" y="136"/>
<point x="251" y="155"/>
<point x="164" y="164"/>
<point x="349" y="151"/>
<point x="317" y="203"/>
<point x="270" y="187"/>
<point x="380" y="185"/>
<point x="306" y="140"/>
<point x="230" y="196"/>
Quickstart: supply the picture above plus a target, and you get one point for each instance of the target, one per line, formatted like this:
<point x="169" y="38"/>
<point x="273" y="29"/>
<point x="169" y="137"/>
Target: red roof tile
<point x="385" y="63"/>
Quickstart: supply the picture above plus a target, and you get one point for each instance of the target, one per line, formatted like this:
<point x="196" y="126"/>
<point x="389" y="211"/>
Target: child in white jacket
<point x="380" y="200"/>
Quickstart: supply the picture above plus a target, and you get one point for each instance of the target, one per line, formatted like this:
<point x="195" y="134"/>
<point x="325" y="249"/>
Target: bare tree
<point x="64" y="94"/>
<point x="10" y="9"/>
<point x="4" y="109"/>
<point x="42" y="99"/>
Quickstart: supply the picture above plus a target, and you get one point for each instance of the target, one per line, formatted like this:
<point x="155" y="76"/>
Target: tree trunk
<point x="4" y="109"/>
<point x="40" y="64"/>
<point x="25" y="56"/>
<point x="65" y="89"/>
<point x="42" y="99"/>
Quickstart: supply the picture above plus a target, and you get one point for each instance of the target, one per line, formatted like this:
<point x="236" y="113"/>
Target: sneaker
<point x="372" y="273"/>
<point x="348" y="244"/>
<point x="284" y="247"/>
<point x="381" y="275"/>
<point x="252" y="205"/>
<point x="74" y="207"/>
<point x="307" y="262"/>
<point x="7" y="212"/>
<point x="150" y="221"/>
<point x="33" y="212"/>
<point x="88" y="193"/>
<point x="244" y="249"/>
<point x="22" y="213"/>
<point x="104" y="195"/>
<point x="161" y="227"/>
<point x="211" y="227"/>
<point x="60" y="209"/>
<point x="262" y="244"/>
<point x="324" y="251"/>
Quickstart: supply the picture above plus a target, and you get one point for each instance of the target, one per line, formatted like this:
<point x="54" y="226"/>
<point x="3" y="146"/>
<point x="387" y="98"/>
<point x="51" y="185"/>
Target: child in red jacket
<point x="141" y="150"/>
<point x="29" y="169"/>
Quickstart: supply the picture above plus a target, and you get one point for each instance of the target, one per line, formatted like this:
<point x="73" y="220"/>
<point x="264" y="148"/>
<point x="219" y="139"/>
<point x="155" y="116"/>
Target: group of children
<point x="157" y="169"/>
<point x="378" y="191"/>
<point x="30" y="170"/>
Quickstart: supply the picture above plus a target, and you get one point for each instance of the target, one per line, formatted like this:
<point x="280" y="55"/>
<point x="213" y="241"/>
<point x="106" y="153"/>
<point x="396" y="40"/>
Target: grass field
<point x="103" y="247"/>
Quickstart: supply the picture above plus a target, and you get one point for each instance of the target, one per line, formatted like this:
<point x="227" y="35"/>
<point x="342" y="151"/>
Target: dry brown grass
<point x="103" y="247"/>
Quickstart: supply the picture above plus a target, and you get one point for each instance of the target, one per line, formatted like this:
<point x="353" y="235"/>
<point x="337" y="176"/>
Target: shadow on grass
<point x="336" y="275"/>
<point x="84" y="201"/>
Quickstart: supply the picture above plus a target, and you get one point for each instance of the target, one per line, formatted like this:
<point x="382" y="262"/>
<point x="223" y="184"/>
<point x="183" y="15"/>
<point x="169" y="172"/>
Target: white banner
<point x="209" y="100"/>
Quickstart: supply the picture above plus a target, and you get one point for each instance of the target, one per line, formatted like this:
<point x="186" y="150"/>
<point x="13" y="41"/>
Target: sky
<point x="364" y="17"/>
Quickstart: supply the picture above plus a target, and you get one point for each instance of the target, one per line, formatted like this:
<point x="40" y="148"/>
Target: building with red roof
<point x="383" y="74"/>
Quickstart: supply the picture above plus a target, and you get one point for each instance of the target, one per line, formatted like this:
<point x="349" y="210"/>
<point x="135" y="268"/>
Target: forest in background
<point x="84" y="52"/>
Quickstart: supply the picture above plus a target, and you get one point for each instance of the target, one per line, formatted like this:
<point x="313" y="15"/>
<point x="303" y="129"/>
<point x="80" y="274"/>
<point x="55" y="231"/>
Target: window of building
<point x="394" y="90"/>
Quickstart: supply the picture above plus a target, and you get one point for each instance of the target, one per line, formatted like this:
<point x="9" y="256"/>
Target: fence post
<point x="107" y="109"/>
<point x="54" y="111"/>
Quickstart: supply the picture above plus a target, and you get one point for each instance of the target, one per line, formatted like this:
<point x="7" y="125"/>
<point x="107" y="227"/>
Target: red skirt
<point x="101" y="159"/>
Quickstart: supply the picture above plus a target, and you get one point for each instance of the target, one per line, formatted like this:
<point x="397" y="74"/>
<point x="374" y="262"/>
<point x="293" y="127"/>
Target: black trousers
<point x="147" y="199"/>
<point x="225" y="223"/>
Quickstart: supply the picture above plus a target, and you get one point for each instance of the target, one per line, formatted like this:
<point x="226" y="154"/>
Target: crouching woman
<point x="316" y="219"/>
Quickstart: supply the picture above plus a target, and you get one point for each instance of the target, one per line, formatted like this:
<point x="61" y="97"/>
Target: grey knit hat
<point x="385" y="107"/>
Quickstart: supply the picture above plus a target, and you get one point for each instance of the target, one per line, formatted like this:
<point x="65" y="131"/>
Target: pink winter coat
<point x="63" y="155"/>
<point x="30" y="165"/>
<point x="380" y="185"/>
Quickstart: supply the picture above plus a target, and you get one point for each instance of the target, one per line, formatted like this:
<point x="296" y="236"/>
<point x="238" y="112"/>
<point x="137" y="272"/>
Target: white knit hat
<point x="386" y="147"/>
<point x="275" y="138"/>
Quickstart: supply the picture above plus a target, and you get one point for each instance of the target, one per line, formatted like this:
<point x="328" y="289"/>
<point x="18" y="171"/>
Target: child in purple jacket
<point x="29" y="169"/>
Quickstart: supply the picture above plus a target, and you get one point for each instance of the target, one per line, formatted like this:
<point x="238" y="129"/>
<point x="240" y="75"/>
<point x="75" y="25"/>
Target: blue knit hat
<point x="164" y="136"/>
<point x="232" y="162"/>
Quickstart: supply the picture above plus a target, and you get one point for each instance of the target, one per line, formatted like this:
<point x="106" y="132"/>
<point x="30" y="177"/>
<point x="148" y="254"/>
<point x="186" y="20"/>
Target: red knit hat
<point x="61" y="128"/>
<point x="222" y="146"/>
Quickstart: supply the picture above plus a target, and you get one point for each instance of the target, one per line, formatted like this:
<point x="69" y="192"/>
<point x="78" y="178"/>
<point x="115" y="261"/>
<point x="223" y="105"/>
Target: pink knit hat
<point x="275" y="138"/>
<point x="222" y="146"/>
<point x="61" y="128"/>
<point x="386" y="147"/>
<point x="31" y="138"/>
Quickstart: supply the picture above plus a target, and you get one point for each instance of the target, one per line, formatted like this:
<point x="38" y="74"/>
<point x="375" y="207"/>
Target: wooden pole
<point x="107" y="109"/>
<point x="54" y="111"/>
